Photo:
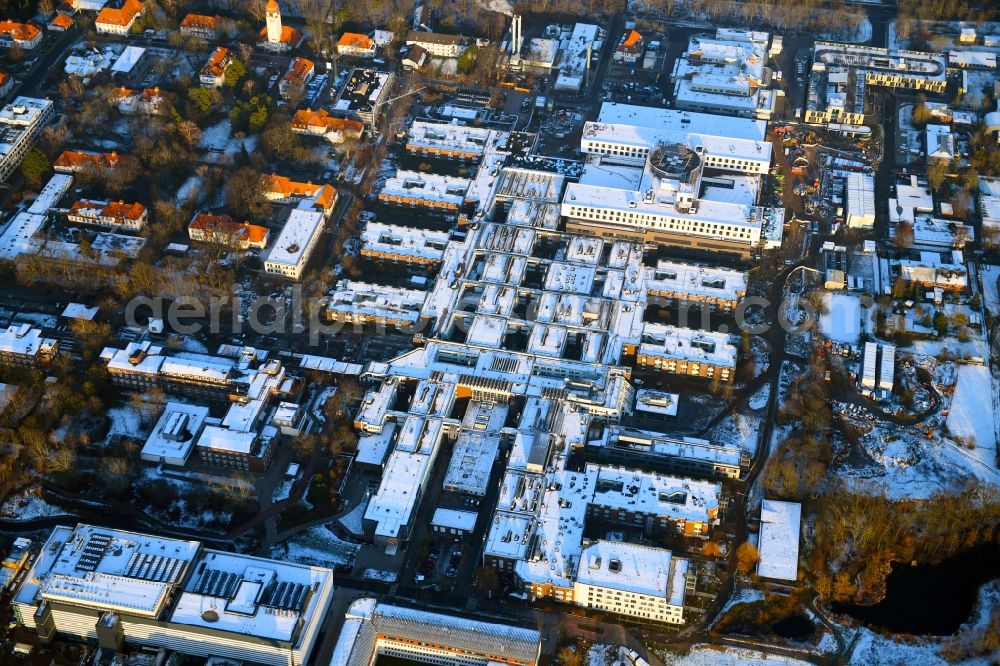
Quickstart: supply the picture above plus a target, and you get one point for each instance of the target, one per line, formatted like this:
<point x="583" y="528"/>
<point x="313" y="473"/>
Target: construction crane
<point x="393" y="99"/>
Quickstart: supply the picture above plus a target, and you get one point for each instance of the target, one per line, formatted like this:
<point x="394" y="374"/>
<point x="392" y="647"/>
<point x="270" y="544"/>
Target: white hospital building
<point x="115" y="587"/>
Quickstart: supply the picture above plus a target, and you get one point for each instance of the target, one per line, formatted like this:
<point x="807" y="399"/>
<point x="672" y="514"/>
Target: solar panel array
<point x="154" y="567"/>
<point x="286" y="596"/>
<point x="93" y="552"/>
<point x="215" y="583"/>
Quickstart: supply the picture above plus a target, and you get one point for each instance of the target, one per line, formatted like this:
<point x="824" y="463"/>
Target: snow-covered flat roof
<point x="24" y="340"/>
<point x="377" y="403"/>
<point x="391" y="239"/>
<point x="630" y="567"/>
<point x="296" y="237"/>
<point x="778" y="545"/>
<point x="688" y="344"/>
<point x="655" y="494"/>
<point x="507" y="238"/>
<point x="427" y="187"/>
<point x="433" y="398"/>
<point x="218" y="438"/>
<point x="471" y="462"/>
<point x="547" y="340"/>
<point x="173" y="437"/>
<point x="570" y="278"/>
<point x="373" y="448"/>
<point x="487" y="331"/>
<point x="525" y="184"/>
<point x="658" y="402"/>
<point x="418" y="434"/>
<point x="252" y="596"/>
<point x="24" y="111"/>
<point x="455" y="519"/>
<point x="989" y="201"/>
<point x="129" y="58"/>
<point x="374" y="300"/>
<point x="465" y="636"/>
<point x="394" y="502"/>
<point x="656" y="443"/>
<point x="448" y="137"/>
<point x="905" y="64"/>
<point x="509" y="535"/>
<point x="633" y="202"/>
<point x="696" y="280"/>
<point x="671" y="120"/>
<point x="532" y="213"/>
<point x="102" y="568"/>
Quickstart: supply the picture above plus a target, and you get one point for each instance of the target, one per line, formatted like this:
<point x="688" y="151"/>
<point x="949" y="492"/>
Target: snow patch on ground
<point x="317" y="546"/>
<point x="124" y="421"/>
<point x="737" y="430"/>
<point x="282" y="490"/>
<point x="190" y="190"/>
<point x="601" y="654"/>
<point x="746" y="595"/>
<point x="26" y="505"/>
<point x="380" y="574"/>
<point x="909" y="466"/>
<point x="218" y="139"/>
<point x="759" y="399"/>
<point x="873" y="649"/>
<point x="352" y="519"/>
<point x="717" y="655"/>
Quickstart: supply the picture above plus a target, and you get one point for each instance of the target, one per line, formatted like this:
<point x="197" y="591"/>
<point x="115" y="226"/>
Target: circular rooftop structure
<point x="993" y="121"/>
<point x="674" y="161"/>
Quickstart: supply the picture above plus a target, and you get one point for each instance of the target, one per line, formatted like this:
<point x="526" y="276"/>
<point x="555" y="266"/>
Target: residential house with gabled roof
<point x="320" y="123"/>
<point x="119" y="20"/>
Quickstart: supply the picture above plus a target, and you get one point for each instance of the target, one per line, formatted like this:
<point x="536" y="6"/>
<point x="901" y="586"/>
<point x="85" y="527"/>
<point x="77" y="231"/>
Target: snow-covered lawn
<point x="910" y="466"/>
<point x="971" y="416"/>
<point x="190" y="189"/>
<point x="842" y="320"/>
<point x="759" y="399"/>
<point x="124" y="421"/>
<point x="715" y="655"/>
<point x="607" y="655"/>
<point x="282" y="490"/>
<point x="737" y="430"/>
<point x="352" y="519"/>
<point x="219" y="139"/>
<point x="745" y="595"/>
<point x="317" y="546"/>
<point x="28" y="506"/>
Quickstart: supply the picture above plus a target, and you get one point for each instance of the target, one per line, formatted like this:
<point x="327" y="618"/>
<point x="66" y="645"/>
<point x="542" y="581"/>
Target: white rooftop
<point x="633" y="568"/>
<point x="688" y="344"/>
<point x="108" y="569"/>
<point x="295" y="237"/>
<point x="778" y="545"/>
<point x="268" y="599"/>
<point x="472" y="462"/>
<point x="406" y="241"/>
<point x="173" y="436"/>
<point x="428" y="187"/>
<point x="687" y="122"/>
<point x="455" y="519"/>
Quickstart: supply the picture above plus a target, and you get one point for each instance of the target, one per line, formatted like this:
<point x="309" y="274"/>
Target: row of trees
<point x="830" y="16"/>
